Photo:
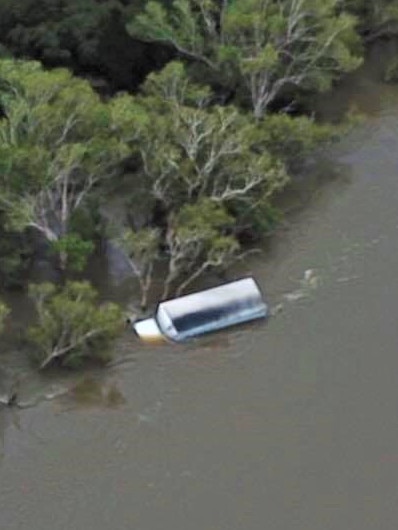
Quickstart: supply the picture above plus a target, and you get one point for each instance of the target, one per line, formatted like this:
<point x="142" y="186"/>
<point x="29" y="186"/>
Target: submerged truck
<point x="195" y="314"/>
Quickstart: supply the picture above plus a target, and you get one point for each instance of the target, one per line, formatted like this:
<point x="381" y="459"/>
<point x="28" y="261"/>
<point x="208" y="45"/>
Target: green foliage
<point x="193" y="152"/>
<point x="52" y="107"/>
<point x="180" y="25"/>
<point x="75" y="249"/>
<point x="71" y="326"/>
<point x="142" y="249"/>
<point x="269" y="46"/>
<point x="142" y="246"/>
<point x="172" y="84"/>
<point x="289" y="138"/>
<point x="198" y="240"/>
<point x="289" y="44"/>
<point x="205" y="218"/>
<point x="258" y="221"/>
<point x="128" y="119"/>
<point x="56" y="148"/>
<point x="15" y="252"/>
<point x="201" y="164"/>
<point x="202" y="174"/>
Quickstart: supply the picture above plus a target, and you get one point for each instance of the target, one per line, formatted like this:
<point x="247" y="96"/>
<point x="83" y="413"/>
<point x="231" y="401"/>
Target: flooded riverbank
<point x="286" y="425"/>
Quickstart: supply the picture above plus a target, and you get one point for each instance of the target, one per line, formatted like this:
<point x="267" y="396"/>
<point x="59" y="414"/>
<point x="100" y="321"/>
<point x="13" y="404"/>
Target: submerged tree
<point x="198" y="239"/>
<point x="71" y="325"/>
<point x="202" y="169"/>
<point x="270" y="45"/>
<point x="142" y="249"/>
<point x="289" y="43"/>
<point x="206" y="173"/>
<point x="190" y="151"/>
<point x="56" y="148"/>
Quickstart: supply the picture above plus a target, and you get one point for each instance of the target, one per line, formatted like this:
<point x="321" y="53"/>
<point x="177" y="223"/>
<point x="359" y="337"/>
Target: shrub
<point x="71" y="325"/>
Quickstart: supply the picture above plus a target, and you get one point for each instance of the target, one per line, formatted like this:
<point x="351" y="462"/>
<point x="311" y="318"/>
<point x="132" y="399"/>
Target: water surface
<point x="292" y="424"/>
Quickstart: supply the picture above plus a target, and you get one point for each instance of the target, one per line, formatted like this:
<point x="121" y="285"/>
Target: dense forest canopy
<point x="91" y="35"/>
<point x="191" y="154"/>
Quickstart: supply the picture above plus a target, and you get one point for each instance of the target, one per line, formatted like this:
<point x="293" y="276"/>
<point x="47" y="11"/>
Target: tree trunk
<point x="191" y="278"/>
<point x="144" y="298"/>
<point x="167" y="287"/>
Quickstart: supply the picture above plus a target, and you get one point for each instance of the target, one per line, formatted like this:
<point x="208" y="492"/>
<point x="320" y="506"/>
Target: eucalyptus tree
<point x="71" y="326"/>
<point x="271" y="45"/>
<point x="206" y="151"/>
<point x="199" y="238"/>
<point x="142" y="249"/>
<point x="56" y="149"/>
<point x="276" y="45"/>
<point x="199" y="166"/>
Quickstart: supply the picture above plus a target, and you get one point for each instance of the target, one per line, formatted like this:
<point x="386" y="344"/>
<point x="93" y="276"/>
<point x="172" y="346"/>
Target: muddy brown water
<point x="289" y="424"/>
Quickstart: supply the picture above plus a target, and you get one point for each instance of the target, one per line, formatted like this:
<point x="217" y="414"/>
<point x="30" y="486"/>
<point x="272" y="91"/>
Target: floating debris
<point x="309" y="282"/>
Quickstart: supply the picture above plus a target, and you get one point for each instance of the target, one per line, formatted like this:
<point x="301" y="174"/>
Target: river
<point x="290" y="424"/>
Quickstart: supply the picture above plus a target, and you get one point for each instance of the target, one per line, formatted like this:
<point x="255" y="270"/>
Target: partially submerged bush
<point x="71" y="325"/>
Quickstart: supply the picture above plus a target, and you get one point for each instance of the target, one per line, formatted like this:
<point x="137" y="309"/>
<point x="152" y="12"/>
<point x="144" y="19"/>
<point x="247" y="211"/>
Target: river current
<point x="290" y="424"/>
